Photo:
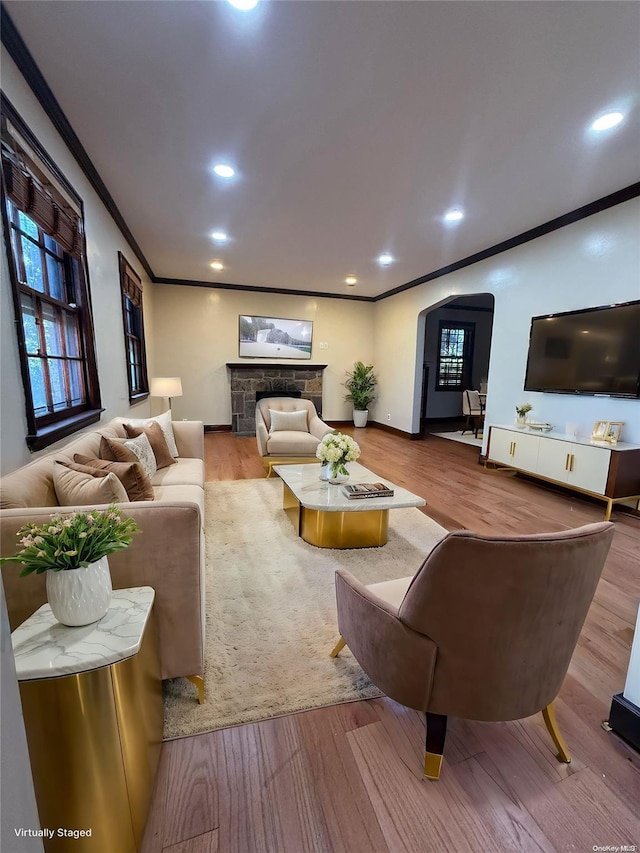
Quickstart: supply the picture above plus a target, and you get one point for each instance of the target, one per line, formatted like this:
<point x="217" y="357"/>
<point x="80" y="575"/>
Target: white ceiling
<point x="353" y="126"/>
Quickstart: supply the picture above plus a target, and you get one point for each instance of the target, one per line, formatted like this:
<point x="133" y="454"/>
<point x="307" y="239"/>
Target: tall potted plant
<point x="360" y="385"/>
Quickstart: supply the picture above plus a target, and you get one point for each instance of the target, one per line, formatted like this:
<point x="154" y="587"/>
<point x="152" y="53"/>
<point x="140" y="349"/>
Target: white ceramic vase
<point x="80" y="596"/>
<point x="360" y="417"/>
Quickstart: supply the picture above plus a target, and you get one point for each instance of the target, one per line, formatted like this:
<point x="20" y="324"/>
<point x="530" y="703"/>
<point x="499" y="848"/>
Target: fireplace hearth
<point x="253" y="381"/>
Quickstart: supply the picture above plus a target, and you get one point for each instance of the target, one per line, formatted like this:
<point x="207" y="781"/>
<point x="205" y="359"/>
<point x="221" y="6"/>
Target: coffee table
<point x="322" y="515"/>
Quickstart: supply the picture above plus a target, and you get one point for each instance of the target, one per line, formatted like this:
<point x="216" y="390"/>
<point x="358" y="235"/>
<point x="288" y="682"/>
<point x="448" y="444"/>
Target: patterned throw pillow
<point x="129" y="450"/>
<point x="157" y="441"/>
<point x="73" y="488"/>
<point x="165" y="425"/>
<point x="130" y="474"/>
<point x="296" y="421"/>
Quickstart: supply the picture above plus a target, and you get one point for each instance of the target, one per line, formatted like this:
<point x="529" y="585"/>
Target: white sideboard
<point x="608" y="472"/>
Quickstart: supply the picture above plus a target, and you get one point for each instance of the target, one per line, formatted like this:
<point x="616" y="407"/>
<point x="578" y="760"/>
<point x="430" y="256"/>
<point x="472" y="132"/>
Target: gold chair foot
<point x="549" y="716"/>
<point x="339" y="646"/>
<point x="432" y="765"/>
<point x="198" y="680"/>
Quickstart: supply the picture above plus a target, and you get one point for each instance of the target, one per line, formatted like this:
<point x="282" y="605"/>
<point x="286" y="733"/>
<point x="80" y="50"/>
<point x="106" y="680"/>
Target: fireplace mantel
<point x="249" y="377"/>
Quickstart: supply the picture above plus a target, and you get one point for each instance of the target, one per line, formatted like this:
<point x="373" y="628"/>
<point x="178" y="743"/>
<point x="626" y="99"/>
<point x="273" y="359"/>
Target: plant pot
<point x="80" y="596"/>
<point x="360" y="417"/>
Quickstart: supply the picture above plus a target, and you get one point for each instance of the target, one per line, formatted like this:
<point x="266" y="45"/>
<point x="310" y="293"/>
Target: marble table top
<point x="314" y="493"/>
<point x="44" y="648"/>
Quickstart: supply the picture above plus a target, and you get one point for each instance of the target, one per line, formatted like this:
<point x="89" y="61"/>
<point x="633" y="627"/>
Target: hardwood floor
<point x="348" y="777"/>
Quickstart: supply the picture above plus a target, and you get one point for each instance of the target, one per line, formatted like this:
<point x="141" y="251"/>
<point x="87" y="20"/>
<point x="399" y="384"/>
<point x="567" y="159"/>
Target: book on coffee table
<point x="367" y="490"/>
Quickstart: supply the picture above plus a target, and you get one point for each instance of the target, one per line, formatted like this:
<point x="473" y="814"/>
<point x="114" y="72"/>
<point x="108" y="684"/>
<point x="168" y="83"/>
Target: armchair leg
<point x="339" y="646"/>
<point x="549" y="716"/>
<point x="198" y="680"/>
<point x="434" y="744"/>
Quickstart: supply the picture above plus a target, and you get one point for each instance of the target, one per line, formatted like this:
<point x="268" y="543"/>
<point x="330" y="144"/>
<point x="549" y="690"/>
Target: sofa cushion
<point x="187" y="472"/>
<point x="165" y="425"/>
<point x="157" y="441"/>
<point x="194" y="494"/>
<point x="131" y="474"/>
<point x="130" y="450"/>
<point x="75" y="488"/>
<point x="292" y="443"/>
<point x="290" y="421"/>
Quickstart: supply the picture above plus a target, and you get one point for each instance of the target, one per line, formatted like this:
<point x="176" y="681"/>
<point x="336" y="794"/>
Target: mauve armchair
<point x="484" y="631"/>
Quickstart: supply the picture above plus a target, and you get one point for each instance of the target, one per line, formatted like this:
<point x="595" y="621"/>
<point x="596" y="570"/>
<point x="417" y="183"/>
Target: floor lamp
<point x="166" y="386"/>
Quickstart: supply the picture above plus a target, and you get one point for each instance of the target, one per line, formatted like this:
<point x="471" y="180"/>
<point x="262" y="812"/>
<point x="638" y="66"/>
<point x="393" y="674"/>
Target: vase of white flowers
<point x="521" y="414"/>
<point x="335" y="451"/>
<point x="72" y="549"/>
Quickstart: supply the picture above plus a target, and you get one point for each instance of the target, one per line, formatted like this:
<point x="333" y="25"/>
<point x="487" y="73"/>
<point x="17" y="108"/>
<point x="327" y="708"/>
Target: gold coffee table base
<point x="324" y="529"/>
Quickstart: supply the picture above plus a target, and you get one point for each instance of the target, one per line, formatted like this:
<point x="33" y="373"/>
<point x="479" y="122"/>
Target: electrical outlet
<point x="324" y="345"/>
<point x="388" y="416"/>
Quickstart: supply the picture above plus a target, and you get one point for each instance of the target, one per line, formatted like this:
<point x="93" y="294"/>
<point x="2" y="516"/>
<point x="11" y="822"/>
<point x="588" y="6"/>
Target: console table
<point x="92" y="705"/>
<point x="608" y="472"/>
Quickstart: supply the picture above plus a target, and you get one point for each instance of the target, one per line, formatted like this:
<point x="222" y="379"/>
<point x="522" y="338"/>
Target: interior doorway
<point x="455" y="357"/>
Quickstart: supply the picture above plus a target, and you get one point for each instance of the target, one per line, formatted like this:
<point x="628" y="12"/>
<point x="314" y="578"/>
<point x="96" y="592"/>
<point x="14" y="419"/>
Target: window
<point x="43" y="233"/>
<point x="131" y="287"/>
<point x="455" y="352"/>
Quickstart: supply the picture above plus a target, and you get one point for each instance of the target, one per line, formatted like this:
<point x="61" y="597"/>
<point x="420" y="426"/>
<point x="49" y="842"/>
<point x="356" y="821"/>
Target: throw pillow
<point x="296" y="421"/>
<point x="130" y="474"/>
<point x="165" y="425"/>
<point x="74" y="488"/>
<point x="157" y="441"/>
<point x="129" y="450"/>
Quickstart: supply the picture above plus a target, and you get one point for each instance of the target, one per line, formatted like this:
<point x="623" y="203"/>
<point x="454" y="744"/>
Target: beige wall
<point x="195" y="333"/>
<point x="104" y="241"/>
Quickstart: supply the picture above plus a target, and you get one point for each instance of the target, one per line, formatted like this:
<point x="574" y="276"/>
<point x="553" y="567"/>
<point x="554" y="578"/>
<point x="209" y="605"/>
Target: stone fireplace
<point x="247" y="379"/>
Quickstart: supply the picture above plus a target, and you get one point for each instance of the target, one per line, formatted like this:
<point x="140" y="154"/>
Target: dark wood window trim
<point x="56" y="238"/>
<point x="464" y="360"/>
<point x="133" y="327"/>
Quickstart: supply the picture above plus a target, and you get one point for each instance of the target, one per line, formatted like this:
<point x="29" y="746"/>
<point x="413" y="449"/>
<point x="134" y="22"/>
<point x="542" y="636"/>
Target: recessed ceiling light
<point x="224" y="171"/>
<point x="243" y="5"/>
<point x="454" y="215"/>
<point x="351" y="280"/>
<point x="219" y="236"/>
<point x="385" y="259"/>
<point x="217" y="265"/>
<point x="607" y="121"/>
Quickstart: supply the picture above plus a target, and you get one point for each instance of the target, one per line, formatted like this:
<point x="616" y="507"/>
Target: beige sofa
<point x="167" y="554"/>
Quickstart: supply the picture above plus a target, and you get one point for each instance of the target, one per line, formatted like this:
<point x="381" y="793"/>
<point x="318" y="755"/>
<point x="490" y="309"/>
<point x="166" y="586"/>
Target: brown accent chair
<point x="484" y="631"/>
<point x="281" y="443"/>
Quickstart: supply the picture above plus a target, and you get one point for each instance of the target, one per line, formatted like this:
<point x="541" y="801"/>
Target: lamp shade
<point x="166" y="386"/>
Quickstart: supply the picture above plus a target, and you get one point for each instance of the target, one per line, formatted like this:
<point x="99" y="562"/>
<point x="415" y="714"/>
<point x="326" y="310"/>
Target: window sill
<point x="55" y="432"/>
<point x="138" y="397"/>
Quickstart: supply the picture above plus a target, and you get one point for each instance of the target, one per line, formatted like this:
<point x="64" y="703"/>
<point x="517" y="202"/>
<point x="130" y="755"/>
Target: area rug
<point x="467" y="438"/>
<point x="271" y="613"/>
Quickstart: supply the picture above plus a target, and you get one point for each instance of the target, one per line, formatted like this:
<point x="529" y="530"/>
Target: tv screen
<point x="271" y="337"/>
<point x="596" y="351"/>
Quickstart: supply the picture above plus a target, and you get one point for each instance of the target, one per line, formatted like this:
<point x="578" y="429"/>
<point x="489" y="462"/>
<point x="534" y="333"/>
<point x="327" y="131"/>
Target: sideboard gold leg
<point x="549" y="716"/>
<point x="198" y="680"/>
<point x="339" y="646"/>
<point x="607" y="515"/>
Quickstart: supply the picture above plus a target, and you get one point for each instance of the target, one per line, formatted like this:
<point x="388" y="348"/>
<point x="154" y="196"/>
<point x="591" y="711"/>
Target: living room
<point x="587" y="256"/>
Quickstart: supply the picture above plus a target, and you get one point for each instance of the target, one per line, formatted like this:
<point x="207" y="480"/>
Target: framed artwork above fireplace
<point x="273" y="337"/>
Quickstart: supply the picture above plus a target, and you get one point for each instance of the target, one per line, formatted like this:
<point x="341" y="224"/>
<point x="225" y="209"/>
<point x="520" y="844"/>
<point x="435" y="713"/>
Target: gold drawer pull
<point x="566" y="462"/>
<point x="573" y="459"/>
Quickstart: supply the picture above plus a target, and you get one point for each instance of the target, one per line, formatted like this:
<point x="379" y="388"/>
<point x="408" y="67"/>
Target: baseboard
<point x="624" y="719"/>
<point x="217" y="427"/>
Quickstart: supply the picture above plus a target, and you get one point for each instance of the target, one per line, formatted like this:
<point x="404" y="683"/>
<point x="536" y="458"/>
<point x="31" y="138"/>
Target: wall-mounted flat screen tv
<point x="273" y="337"/>
<point x="595" y="351"/>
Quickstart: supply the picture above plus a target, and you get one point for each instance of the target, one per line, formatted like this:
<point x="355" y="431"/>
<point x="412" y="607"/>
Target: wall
<point x="195" y="332"/>
<point x="446" y="404"/>
<point x="104" y="240"/>
<point x="595" y="261"/>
